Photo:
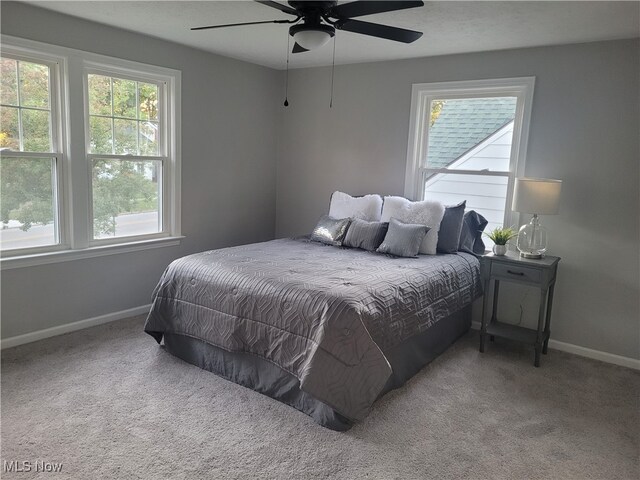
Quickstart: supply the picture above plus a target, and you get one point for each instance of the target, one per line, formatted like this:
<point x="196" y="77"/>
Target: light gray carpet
<point x="109" y="403"/>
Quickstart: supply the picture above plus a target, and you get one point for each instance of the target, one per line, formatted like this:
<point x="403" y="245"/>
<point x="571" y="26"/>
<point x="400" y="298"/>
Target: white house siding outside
<point x="484" y="194"/>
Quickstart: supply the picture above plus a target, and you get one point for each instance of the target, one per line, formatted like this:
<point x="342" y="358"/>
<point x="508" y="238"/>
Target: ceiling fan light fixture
<point x="311" y="37"/>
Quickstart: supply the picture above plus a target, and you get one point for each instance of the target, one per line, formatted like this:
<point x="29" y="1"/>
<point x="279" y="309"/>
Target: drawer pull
<point x="521" y="274"/>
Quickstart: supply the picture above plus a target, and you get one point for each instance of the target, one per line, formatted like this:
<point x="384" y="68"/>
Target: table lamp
<point x="538" y="196"/>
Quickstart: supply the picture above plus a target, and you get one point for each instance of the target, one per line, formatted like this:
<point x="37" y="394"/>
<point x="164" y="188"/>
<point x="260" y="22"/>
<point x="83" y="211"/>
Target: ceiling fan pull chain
<point x="333" y="68"/>
<point x="286" y="78"/>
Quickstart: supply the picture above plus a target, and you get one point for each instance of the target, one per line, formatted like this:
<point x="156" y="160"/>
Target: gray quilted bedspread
<point x="324" y="314"/>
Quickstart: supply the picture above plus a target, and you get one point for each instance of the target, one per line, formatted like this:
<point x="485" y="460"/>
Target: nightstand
<point x="514" y="268"/>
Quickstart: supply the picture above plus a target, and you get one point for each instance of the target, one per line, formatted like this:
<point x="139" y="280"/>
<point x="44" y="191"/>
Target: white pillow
<point x="427" y="213"/>
<point x="367" y="208"/>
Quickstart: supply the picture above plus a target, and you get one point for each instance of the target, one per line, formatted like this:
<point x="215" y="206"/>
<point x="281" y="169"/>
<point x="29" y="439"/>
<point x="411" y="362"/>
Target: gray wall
<point x="584" y="130"/>
<point x="228" y="173"/>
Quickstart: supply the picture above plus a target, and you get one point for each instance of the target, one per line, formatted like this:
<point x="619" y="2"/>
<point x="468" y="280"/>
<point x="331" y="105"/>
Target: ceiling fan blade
<point x="359" y="9"/>
<point x="282" y="8"/>
<point x="380" y="31"/>
<point x="239" y="24"/>
<point x="298" y="49"/>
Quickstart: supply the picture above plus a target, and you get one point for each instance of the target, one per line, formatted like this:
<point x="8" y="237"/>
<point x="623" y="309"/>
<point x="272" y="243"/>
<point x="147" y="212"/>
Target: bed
<point x="326" y="330"/>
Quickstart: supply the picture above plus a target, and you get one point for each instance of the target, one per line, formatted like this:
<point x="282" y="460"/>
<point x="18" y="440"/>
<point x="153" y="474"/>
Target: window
<point x="467" y="142"/>
<point x="30" y="156"/>
<point x="126" y="154"/>
<point x="74" y="189"/>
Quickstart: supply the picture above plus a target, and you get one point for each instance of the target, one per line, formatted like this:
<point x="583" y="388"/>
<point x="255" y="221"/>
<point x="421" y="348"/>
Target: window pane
<point x="100" y="135"/>
<point x="148" y="101"/>
<point x="471" y="133"/>
<point x="131" y="109"/>
<point x="148" y="138"/>
<point x="9" y="134"/>
<point x="36" y="130"/>
<point x="126" y="198"/>
<point x="125" y="137"/>
<point x="26" y="203"/>
<point x="34" y="85"/>
<point x="126" y="193"/>
<point x="99" y="95"/>
<point x="484" y="194"/>
<point x="9" y="79"/>
<point x="124" y="98"/>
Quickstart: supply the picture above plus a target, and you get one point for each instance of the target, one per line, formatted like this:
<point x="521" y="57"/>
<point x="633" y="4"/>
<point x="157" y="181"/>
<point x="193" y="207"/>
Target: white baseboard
<point x="71" y="327"/>
<point x="595" y="354"/>
<point x="586" y="352"/>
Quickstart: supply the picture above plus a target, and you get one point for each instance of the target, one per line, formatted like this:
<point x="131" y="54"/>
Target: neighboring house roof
<point x="464" y="123"/>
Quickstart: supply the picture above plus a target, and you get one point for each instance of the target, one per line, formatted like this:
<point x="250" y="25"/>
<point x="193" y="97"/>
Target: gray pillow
<point x="473" y="225"/>
<point x="330" y="230"/>
<point x="403" y="239"/>
<point x="451" y="228"/>
<point x="365" y="235"/>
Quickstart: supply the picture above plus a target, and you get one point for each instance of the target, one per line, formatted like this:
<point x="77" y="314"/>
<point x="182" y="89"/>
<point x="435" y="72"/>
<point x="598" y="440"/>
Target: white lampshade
<point x="536" y="195"/>
<point x="311" y="39"/>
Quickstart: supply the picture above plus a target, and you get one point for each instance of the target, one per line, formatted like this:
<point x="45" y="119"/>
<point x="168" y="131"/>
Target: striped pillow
<point x="365" y="235"/>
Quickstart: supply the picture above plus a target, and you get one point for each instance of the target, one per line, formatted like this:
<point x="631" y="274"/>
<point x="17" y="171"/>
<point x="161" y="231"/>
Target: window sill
<point x="7" y="263"/>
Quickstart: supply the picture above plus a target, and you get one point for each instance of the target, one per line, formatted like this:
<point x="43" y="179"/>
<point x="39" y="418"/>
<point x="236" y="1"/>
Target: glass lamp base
<point x="531" y="255"/>
<point x="532" y="239"/>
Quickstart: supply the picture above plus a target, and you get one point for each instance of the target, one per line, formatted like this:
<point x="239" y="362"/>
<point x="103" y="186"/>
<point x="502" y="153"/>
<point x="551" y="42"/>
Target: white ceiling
<point x="448" y="26"/>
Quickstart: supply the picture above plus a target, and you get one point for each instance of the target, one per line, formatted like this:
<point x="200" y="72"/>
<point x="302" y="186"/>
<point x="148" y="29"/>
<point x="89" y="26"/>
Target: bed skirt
<point x="260" y="375"/>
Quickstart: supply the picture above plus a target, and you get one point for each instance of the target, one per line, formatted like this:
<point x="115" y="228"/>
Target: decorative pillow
<point x="365" y="235"/>
<point x="473" y="225"/>
<point x="451" y="228"/>
<point x="330" y="230"/>
<point x="428" y="213"/>
<point x="366" y="208"/>
<point x="403" y="239"/>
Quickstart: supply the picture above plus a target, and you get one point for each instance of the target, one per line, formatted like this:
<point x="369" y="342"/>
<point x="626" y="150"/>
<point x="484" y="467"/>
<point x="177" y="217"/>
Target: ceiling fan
<point x="315" y="22"/>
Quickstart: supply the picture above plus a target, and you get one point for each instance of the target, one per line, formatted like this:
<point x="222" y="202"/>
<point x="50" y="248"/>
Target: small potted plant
<point x="500" y="237"/>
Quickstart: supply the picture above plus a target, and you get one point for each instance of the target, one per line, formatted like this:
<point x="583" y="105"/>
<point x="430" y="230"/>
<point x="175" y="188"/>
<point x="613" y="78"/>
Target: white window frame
<point x="166" y="213"/>
<point x="423" y="94"/>
<point x="74" y="172"/>
<point x="57" y="69"/>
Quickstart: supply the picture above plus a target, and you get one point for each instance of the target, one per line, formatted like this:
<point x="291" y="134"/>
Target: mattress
<point x="329" y="317"/>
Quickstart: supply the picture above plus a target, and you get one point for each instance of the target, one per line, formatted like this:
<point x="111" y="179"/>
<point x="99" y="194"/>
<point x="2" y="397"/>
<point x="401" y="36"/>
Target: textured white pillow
<point x="427" y="213"/>
<point x="367" y="208"/>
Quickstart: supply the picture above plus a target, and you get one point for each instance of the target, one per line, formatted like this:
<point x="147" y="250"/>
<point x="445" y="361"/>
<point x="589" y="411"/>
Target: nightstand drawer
<point x="515" y="272"/>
